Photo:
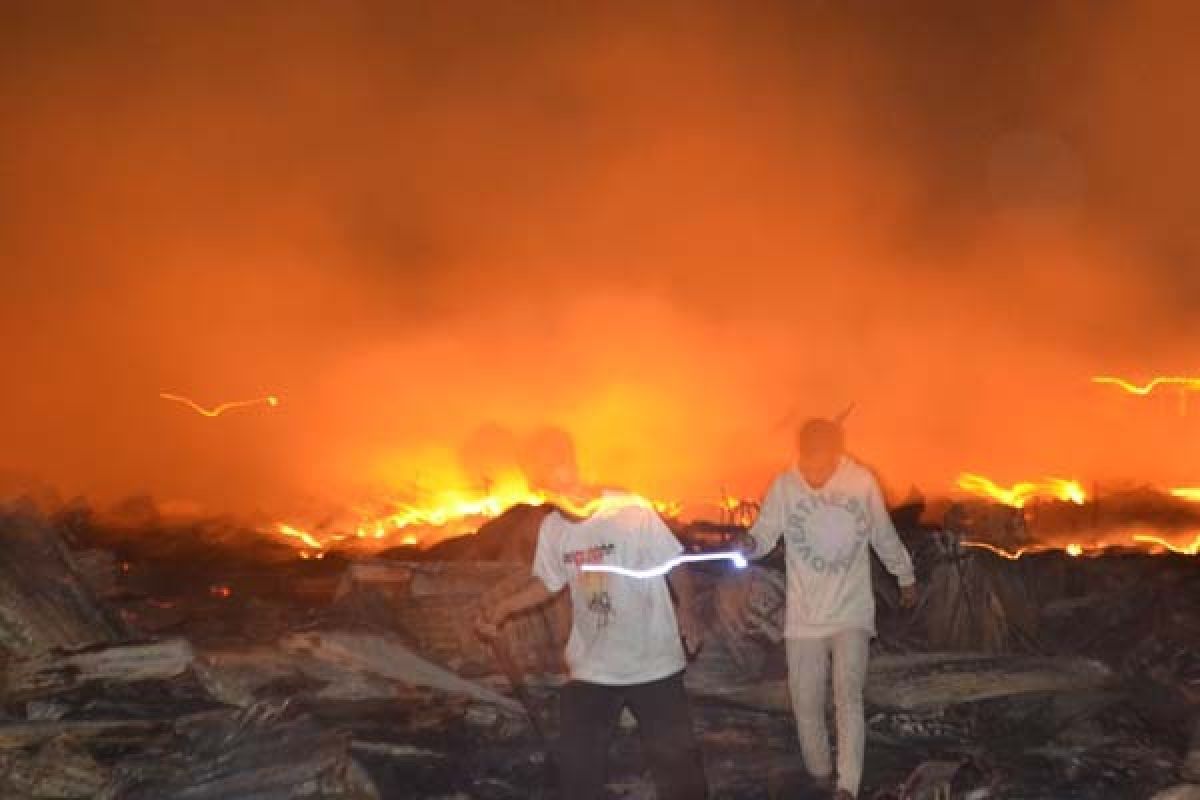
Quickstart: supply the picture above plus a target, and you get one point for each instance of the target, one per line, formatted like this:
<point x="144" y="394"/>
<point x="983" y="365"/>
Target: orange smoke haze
<point x="671" y="232"/>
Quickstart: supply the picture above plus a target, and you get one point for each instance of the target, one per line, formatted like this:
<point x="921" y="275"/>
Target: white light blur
<point x="738" y="560"/>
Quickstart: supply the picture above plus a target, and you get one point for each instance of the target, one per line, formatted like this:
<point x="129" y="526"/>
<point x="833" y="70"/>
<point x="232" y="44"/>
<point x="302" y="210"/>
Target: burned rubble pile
<point x="207" y="661"/>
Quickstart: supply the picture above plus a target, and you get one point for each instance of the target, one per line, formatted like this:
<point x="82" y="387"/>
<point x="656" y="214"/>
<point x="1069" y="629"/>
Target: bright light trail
<point x="217" y="411"/>
<point x="1183" y="383"/>
<point x="738" y="560"/>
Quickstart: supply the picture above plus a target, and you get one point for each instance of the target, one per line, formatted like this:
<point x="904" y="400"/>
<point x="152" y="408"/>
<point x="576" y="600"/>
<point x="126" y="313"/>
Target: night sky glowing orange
<point x="216" y="411"/>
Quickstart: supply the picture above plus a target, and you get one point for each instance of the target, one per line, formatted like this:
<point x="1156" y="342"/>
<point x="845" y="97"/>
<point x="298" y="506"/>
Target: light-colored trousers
<point x="808" y="675"/>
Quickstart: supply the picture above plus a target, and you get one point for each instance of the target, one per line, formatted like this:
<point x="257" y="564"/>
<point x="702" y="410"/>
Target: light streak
<point x="1072" y="549"/>
<point x="1188" y="550"/>
<point x="216" y="411"/>
<point x="738" y="560"/>
<point x="1000" y="551"/>
<point x="1189" y="493"/>
<point x="1192" y="384"/>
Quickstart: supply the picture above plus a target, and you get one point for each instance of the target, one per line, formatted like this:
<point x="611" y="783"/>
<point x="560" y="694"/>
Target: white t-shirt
<point x="826" y="536"/>
<point x="623" y="628"/>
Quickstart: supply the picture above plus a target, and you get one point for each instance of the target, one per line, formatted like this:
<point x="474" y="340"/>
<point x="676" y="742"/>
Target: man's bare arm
<point x="530" y="594"/>
<point x="689" y="621"/>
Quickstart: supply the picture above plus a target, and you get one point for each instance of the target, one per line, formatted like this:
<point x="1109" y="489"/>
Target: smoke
<point x="669" y="232"/>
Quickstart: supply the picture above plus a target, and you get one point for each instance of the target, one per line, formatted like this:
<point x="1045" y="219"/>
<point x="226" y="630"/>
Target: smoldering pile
<point x="207" y="661"/>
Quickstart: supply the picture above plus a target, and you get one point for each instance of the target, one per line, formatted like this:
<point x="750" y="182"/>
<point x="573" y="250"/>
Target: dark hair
<point x="820" y="436"/>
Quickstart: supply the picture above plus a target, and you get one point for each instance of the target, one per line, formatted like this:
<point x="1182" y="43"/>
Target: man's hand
<point x="486" y="627"/>
<point x="692" y="633"/>
<point x="746" y="544"/>
<point x="908" y="596"/>
<point x="491" y="617"/>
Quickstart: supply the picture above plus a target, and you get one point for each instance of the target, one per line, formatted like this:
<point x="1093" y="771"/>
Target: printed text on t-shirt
<point x="590" y="555"/>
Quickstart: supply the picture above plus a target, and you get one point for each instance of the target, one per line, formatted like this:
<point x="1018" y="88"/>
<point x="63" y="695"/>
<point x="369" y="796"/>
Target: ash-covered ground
<point x="204" y="660"/>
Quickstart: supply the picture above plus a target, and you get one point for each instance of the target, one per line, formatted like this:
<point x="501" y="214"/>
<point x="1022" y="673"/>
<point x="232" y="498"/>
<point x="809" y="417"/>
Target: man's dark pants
<point x="588" y="715"/>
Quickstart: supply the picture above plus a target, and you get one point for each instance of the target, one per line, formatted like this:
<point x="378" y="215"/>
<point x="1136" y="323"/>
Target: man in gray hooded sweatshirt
<point x="830" y="512"/>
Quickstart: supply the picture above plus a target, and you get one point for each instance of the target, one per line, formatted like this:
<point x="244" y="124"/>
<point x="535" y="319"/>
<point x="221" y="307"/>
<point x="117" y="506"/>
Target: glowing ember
<point x="216" y="411"/>
<point x="1185" y="384"/>
<point x="223" y="592"/>
<point x="1019" y="494"/>
<point x="1074" y="549"/>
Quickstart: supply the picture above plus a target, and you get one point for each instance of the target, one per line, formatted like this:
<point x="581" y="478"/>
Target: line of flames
<point x="462" y="509"/>
<point x="1069" y="491"/>
<point x="1021" y="493"/>
<point x="1158" y="545"/>
<point x="459" y="508"/>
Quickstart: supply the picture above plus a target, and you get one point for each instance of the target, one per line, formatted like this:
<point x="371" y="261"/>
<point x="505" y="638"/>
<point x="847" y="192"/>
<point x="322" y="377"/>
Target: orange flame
<point x="1189" y="493"/>
<point x="458" y="511"/>
<point x="216" y="411"/>
<point x="1075" y="549"/>
<point x="1186" y="384"/>
<point x="304" y="536"/>
<point x="1019" y="494"/>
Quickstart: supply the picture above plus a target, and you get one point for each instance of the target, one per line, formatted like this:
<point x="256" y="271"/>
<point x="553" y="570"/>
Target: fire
<point x="1185" y="384"/>
<point x="1185" y="550"/>
<point x="216" y="411"/>
<point x="1070" y="491"/>
<point x="1019" y="494"/>
<point x="1136" y="541"/>
<point x="304" y="536"/>
<point x="1074" y="549"/>
<point x="456" y="511"/>
<point x="223" y="592"/>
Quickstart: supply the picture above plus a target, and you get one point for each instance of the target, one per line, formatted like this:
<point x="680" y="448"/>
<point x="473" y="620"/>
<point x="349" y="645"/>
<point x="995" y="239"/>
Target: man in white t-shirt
<point x="624" y="647"/>
<point x="830" y="512"/>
